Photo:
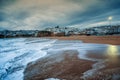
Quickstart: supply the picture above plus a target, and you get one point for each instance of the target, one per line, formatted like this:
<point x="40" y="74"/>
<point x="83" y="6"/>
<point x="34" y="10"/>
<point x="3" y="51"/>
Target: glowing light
<point x="112" y="52"/>
<point x="110" y="18"/>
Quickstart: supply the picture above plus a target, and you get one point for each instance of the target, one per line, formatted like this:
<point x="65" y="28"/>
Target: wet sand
<point x="114" y="40"/>
<point x="68" y="66"/>
<point x="111" y="71"/>
<point x="64" y="66"/>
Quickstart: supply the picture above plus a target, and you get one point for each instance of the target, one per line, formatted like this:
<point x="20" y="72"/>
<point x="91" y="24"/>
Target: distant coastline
<point x="104" y="39"/>
<point x="101" y="35"/>
<point x="63" y="32"/>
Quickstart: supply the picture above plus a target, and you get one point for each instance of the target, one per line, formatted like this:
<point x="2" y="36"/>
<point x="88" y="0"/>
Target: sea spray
<point x="16" y="53"/>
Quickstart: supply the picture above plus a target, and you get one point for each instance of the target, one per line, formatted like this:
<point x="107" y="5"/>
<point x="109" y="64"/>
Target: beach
<point x="52" y="58"/>
<point x="114" y="40"/>
<point x="111" y="68"/>
<point x="99" y="64"/>
<point x="65" y="66"/>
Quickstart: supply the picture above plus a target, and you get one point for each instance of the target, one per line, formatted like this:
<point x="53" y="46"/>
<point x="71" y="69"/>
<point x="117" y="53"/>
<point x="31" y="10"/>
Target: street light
<point x="110" y="19"/>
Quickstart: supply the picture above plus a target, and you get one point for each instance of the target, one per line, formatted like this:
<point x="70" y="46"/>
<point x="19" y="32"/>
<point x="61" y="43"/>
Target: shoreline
<point x="69" y="66"/>
<point x="68" y="59"/>
<point x="108" y="39"/>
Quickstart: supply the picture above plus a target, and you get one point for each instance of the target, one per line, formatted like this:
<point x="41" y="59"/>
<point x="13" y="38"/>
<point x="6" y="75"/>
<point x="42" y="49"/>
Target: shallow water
<point x="16" y="53"/>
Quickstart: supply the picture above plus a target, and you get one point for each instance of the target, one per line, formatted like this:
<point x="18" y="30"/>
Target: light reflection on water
<point x="107" y="56"/>
<point x="113" y="53"/>
<point x="112" y="50"/>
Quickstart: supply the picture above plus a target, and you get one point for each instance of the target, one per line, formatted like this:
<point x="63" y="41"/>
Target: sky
<point x="40" y="14"/>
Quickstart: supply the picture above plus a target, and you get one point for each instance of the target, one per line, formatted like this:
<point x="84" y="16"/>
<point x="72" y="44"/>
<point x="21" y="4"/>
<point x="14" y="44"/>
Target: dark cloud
<point x="21" y="15"/>
<point x="2" y="16"/>
<point x="4" y="3"/>
<point x="97" y="12"/>
<point x="112" y="4"/>
<point x="39" y="14"/>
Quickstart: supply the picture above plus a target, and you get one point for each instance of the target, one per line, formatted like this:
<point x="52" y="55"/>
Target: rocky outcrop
<point x="65" y="65"/>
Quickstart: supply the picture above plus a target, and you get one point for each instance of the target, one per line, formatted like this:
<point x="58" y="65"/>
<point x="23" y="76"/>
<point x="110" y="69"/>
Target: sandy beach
<point x="66" y="65"/>
<point x="111" y="69"/>
<point x="114" y="40"/>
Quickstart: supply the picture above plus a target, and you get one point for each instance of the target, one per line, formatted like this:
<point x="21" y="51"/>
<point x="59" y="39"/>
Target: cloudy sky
<point x="40" y="14"/>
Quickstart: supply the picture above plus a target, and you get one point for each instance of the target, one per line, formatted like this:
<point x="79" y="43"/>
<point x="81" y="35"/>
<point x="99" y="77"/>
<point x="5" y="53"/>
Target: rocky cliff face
<point x="64" y="65"/>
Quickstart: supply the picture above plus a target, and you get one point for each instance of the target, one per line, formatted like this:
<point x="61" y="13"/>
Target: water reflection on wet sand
<point x="113" y="53"/>
<point x="111" y="57"/>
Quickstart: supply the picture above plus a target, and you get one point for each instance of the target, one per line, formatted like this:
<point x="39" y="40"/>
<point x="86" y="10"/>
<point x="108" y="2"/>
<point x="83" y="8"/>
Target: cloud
<point x="5" y="3"/>
<point x="2" y="16"/>
<point x="39" y="14"/>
